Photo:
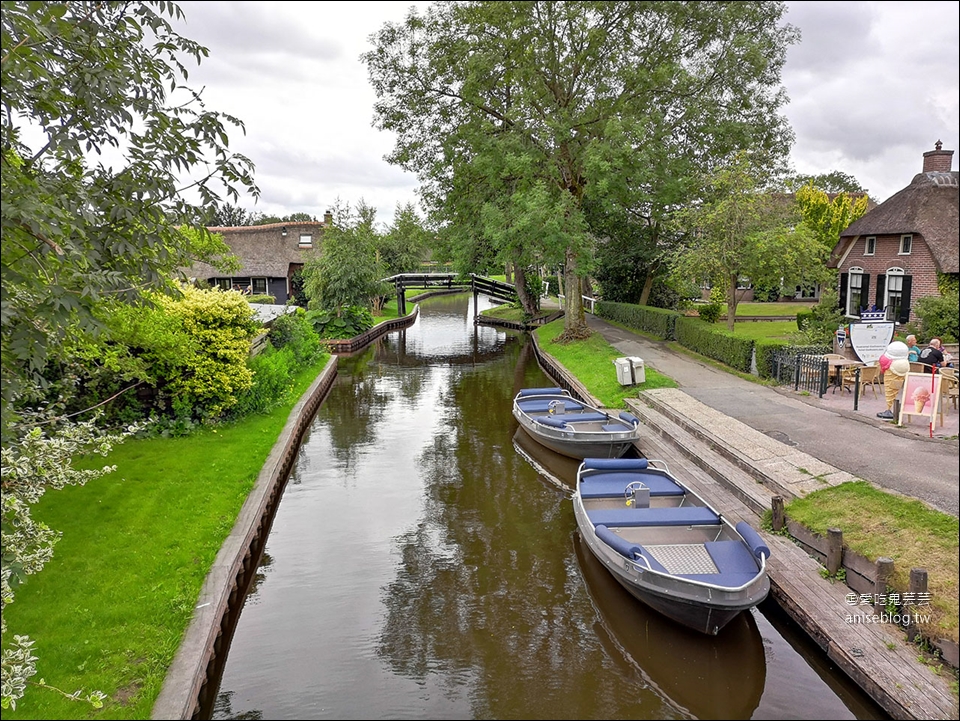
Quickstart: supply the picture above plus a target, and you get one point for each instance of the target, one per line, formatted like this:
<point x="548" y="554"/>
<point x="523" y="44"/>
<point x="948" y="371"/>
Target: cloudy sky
<point x="872" y="86"/>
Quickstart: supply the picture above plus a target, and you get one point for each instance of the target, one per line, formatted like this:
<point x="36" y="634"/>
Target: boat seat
<point x="615" y="427"/>
<point x="626" y="548"/>
<point x="553" y="391"/>
<point x="586" y="417"/>
<point x="613" y="485"/>
<point x="543" y="405"/>
<point x="552" y="421"/>
<point x="645" y="517"/>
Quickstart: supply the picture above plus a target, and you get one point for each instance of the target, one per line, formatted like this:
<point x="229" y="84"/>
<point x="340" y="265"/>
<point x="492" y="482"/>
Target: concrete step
<point x="663" y="429"/>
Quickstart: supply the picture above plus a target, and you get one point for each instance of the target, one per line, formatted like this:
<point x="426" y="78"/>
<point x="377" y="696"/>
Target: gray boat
<point x="566" y="425"/>
<point x="666" y="546"/>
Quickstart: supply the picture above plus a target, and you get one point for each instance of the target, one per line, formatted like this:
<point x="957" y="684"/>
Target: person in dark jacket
<point x="932" y="355"/>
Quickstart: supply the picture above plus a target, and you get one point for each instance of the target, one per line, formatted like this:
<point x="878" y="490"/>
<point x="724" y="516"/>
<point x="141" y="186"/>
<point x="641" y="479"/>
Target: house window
<point x="306" y="240"/>
<point x="259" y="285"/>
<point x="906" y="242"/>
<point x="871" y="246"/>
<point x="854" y="291"/>
<point x="893" y="298"/>
<point x="223" y="283"/>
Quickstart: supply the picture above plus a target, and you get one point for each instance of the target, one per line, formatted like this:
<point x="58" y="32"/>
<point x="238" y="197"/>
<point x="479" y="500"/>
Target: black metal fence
<point x="803" y="367"/>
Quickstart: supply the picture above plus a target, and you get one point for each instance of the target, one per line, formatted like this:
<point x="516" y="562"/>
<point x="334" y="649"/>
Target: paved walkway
<point x="905" y="460"/>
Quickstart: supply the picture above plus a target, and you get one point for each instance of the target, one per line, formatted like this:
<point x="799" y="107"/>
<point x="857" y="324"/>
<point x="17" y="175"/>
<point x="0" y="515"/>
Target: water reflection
<point x="422" y="568"/>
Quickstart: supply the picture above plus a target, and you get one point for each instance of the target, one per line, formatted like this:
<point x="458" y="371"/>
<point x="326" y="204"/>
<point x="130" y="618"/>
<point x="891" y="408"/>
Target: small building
<point x="270" y="257"/>
<point x="892" y="255"/>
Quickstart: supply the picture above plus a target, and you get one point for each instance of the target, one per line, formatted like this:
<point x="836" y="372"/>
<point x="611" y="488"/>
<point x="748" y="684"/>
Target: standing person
<point x="913" y="350"/>
<point x="932" y="355"/>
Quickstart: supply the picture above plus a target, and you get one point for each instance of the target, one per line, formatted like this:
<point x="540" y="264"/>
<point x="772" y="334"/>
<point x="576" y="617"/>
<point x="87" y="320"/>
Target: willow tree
<point x="512" y="114"/>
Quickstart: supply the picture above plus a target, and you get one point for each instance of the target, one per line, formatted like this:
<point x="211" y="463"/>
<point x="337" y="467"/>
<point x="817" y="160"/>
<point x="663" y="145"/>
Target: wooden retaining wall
<point x="192" y="679"/>
<point x="349" y="345"/>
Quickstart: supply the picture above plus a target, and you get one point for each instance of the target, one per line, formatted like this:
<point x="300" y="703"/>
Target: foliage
<point x="822" y="320"/>
<point x="657" y="322"/>
<point x="264" y="299"/>
<point x="406" y="243"/>
<point x="349" y="271"/>
<point x="939" y="317"/>
<point x="727" y="348"/>
<point x="832" y="182"/>
<point x="828" y="218"/>
<point x="39" y="459"/>
<point x="136" y="548"/>
<point x="709" y="312"/>
<point x="741" y="231"/>
<point x="513" y="115"/>
<point x="804" y="317"/>
<point x="82" y="80"/>
<point x="764" y="350"/>
<point x="296" y="332"/>
<point x="351" y="322"/>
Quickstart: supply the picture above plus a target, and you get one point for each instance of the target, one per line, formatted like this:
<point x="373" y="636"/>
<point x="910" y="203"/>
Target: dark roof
<point x="929" y="206"/>
<point x="263" y="250"/>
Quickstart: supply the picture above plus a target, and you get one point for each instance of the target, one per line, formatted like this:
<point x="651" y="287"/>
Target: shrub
<point x="764" y="351"/>
<point x="710" y="312"/>
<point x="804" y="317"/>
<point x="717" y="344"/>
<point x="272" y="372"/>
<point x="655" y="321"/>
<point x="939" y="317"/>
<point x="261" y="298"/>
<point x="294" y="331"/>
<point x="350" y="323"/>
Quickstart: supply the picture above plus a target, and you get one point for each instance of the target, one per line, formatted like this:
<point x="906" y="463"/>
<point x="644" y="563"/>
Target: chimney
<point x="328" y="216"/>
<point x="937" y="161"/>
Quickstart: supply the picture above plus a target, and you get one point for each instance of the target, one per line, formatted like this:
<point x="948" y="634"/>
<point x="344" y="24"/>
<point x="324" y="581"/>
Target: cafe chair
<point x="949" y="386"/>
<point x="919" y="367"/>
<point x="869" y="376"/>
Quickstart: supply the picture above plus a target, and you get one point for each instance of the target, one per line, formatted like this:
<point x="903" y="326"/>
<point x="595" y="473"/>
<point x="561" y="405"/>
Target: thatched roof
<point x="929" y="207"/>
<point x="264" y="250"/>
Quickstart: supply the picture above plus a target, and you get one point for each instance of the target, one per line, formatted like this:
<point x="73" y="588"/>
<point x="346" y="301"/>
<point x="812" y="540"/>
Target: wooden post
<point x="882" y="580"/>
<point x="918" y="585"/>
<point x="778" y="518"/>
<point x="834" y="550"/>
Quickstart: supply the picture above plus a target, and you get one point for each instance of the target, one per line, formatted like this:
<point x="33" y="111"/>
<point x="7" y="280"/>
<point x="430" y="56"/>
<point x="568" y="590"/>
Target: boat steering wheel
<point x="630" y="491"/>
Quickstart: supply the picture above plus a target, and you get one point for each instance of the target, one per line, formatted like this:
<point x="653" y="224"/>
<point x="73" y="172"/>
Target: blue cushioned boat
<point x="666" y="546"/>
<point x="563" y="424"/>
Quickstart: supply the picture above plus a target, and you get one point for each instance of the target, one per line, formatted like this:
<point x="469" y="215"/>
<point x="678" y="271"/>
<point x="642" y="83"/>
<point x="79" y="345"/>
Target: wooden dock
<point x="876" y="656"/>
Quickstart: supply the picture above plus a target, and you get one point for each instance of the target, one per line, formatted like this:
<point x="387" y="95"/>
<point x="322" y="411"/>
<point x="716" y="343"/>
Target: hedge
<point x="696" y="335"/>
<point x="658" y="322"/>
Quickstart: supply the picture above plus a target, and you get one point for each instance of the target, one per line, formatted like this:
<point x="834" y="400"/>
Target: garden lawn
<point x="877" y="524"/>
<point x="591" y="361"/>
<point x="768" y="309"/>
<point x="761" y="329"/>
<point x="109" y="610"/>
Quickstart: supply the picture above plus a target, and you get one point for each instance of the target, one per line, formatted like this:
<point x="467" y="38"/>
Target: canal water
<point x="424" y="562"/>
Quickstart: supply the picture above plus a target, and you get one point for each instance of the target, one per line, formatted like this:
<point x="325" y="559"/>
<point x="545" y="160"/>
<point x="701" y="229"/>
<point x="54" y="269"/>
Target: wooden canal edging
<point x="193" y="677"/>
<point x="513" y="325"/>
<point x="349" y="345"/>
<point x="874" y="655"/>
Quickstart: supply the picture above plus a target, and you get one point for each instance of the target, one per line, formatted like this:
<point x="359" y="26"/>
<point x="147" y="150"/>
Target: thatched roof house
<point x="900" y="246"/>
<point x="269" y="256"/>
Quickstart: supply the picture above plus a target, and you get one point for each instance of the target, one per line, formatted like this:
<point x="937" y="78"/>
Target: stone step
<point x="747" y="488"/>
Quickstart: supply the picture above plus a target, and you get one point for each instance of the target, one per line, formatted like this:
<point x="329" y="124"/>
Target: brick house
<point x="892" y="255"/>
<point x="270" y="255"/>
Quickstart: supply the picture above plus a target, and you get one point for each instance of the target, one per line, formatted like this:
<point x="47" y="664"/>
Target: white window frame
<point x="893" y="273"/>
<point x="851" y="272"/>
<point x="870" y="245"/>
<point x="306" y="240"/>
<point x="255" y="290"/>
<point x="906" y="241"/>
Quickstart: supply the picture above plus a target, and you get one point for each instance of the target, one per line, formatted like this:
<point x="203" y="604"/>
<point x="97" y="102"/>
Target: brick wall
<point x="920" y="265"/>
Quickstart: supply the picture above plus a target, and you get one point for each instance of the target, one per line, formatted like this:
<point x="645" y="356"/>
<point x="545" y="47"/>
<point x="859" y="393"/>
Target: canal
<point x="424" y="562"/>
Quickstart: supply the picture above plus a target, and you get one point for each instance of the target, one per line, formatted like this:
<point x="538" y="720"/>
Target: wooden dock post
<point x="882" y="581"/>
<point x="918" y="585"/>
<point x="834" y="550"/>
<point x="778" y="516"/>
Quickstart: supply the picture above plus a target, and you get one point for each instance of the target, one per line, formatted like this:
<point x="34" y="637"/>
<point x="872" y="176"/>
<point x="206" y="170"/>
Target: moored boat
<point x="666" y="545"/>
<point x="566" y="425"/>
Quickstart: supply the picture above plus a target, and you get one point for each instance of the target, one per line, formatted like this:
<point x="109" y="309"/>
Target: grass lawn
<point x="591" y="361"/>
<point x="109" y="610"/>
<point x="760" y="329"/>
<point x="877" y="524"/>
<point x="768" y="309"/>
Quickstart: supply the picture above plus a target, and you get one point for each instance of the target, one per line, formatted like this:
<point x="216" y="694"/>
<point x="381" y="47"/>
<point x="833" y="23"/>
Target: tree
<point x="348" y="271"/>
<point x="742" y="231"/>
<point x="832" y="182"/>
<point x="406" y="242"/>
<point x="100" y="143"/>
<point x="513" y="113"/>
<point x="99" y="136"/>
<point x="827" y="217"/>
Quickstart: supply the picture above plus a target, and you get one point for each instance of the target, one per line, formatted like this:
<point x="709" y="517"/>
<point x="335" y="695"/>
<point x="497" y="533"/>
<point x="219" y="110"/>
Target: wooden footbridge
<point x="477" y="283"/>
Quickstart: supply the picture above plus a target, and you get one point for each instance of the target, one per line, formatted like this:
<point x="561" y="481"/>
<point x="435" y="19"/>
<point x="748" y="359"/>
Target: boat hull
<point x="704" y="606"/>
<point x="578" y="448"/>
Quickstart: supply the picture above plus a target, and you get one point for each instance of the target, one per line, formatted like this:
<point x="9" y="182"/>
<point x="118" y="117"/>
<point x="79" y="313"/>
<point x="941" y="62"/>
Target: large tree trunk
<point x="732" y="302"/>
<point x="647" y="287"/>
<point x="574" y="321"/>
<point x="527" y="302"/>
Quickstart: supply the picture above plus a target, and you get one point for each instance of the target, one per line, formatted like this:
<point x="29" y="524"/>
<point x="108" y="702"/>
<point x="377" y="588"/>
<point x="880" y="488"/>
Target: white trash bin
<point x="624" y="371"/>
<point x="636" y="366"/>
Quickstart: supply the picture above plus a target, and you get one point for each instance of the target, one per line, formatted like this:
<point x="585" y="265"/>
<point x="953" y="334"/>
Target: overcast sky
<point x="872" y="86"/>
